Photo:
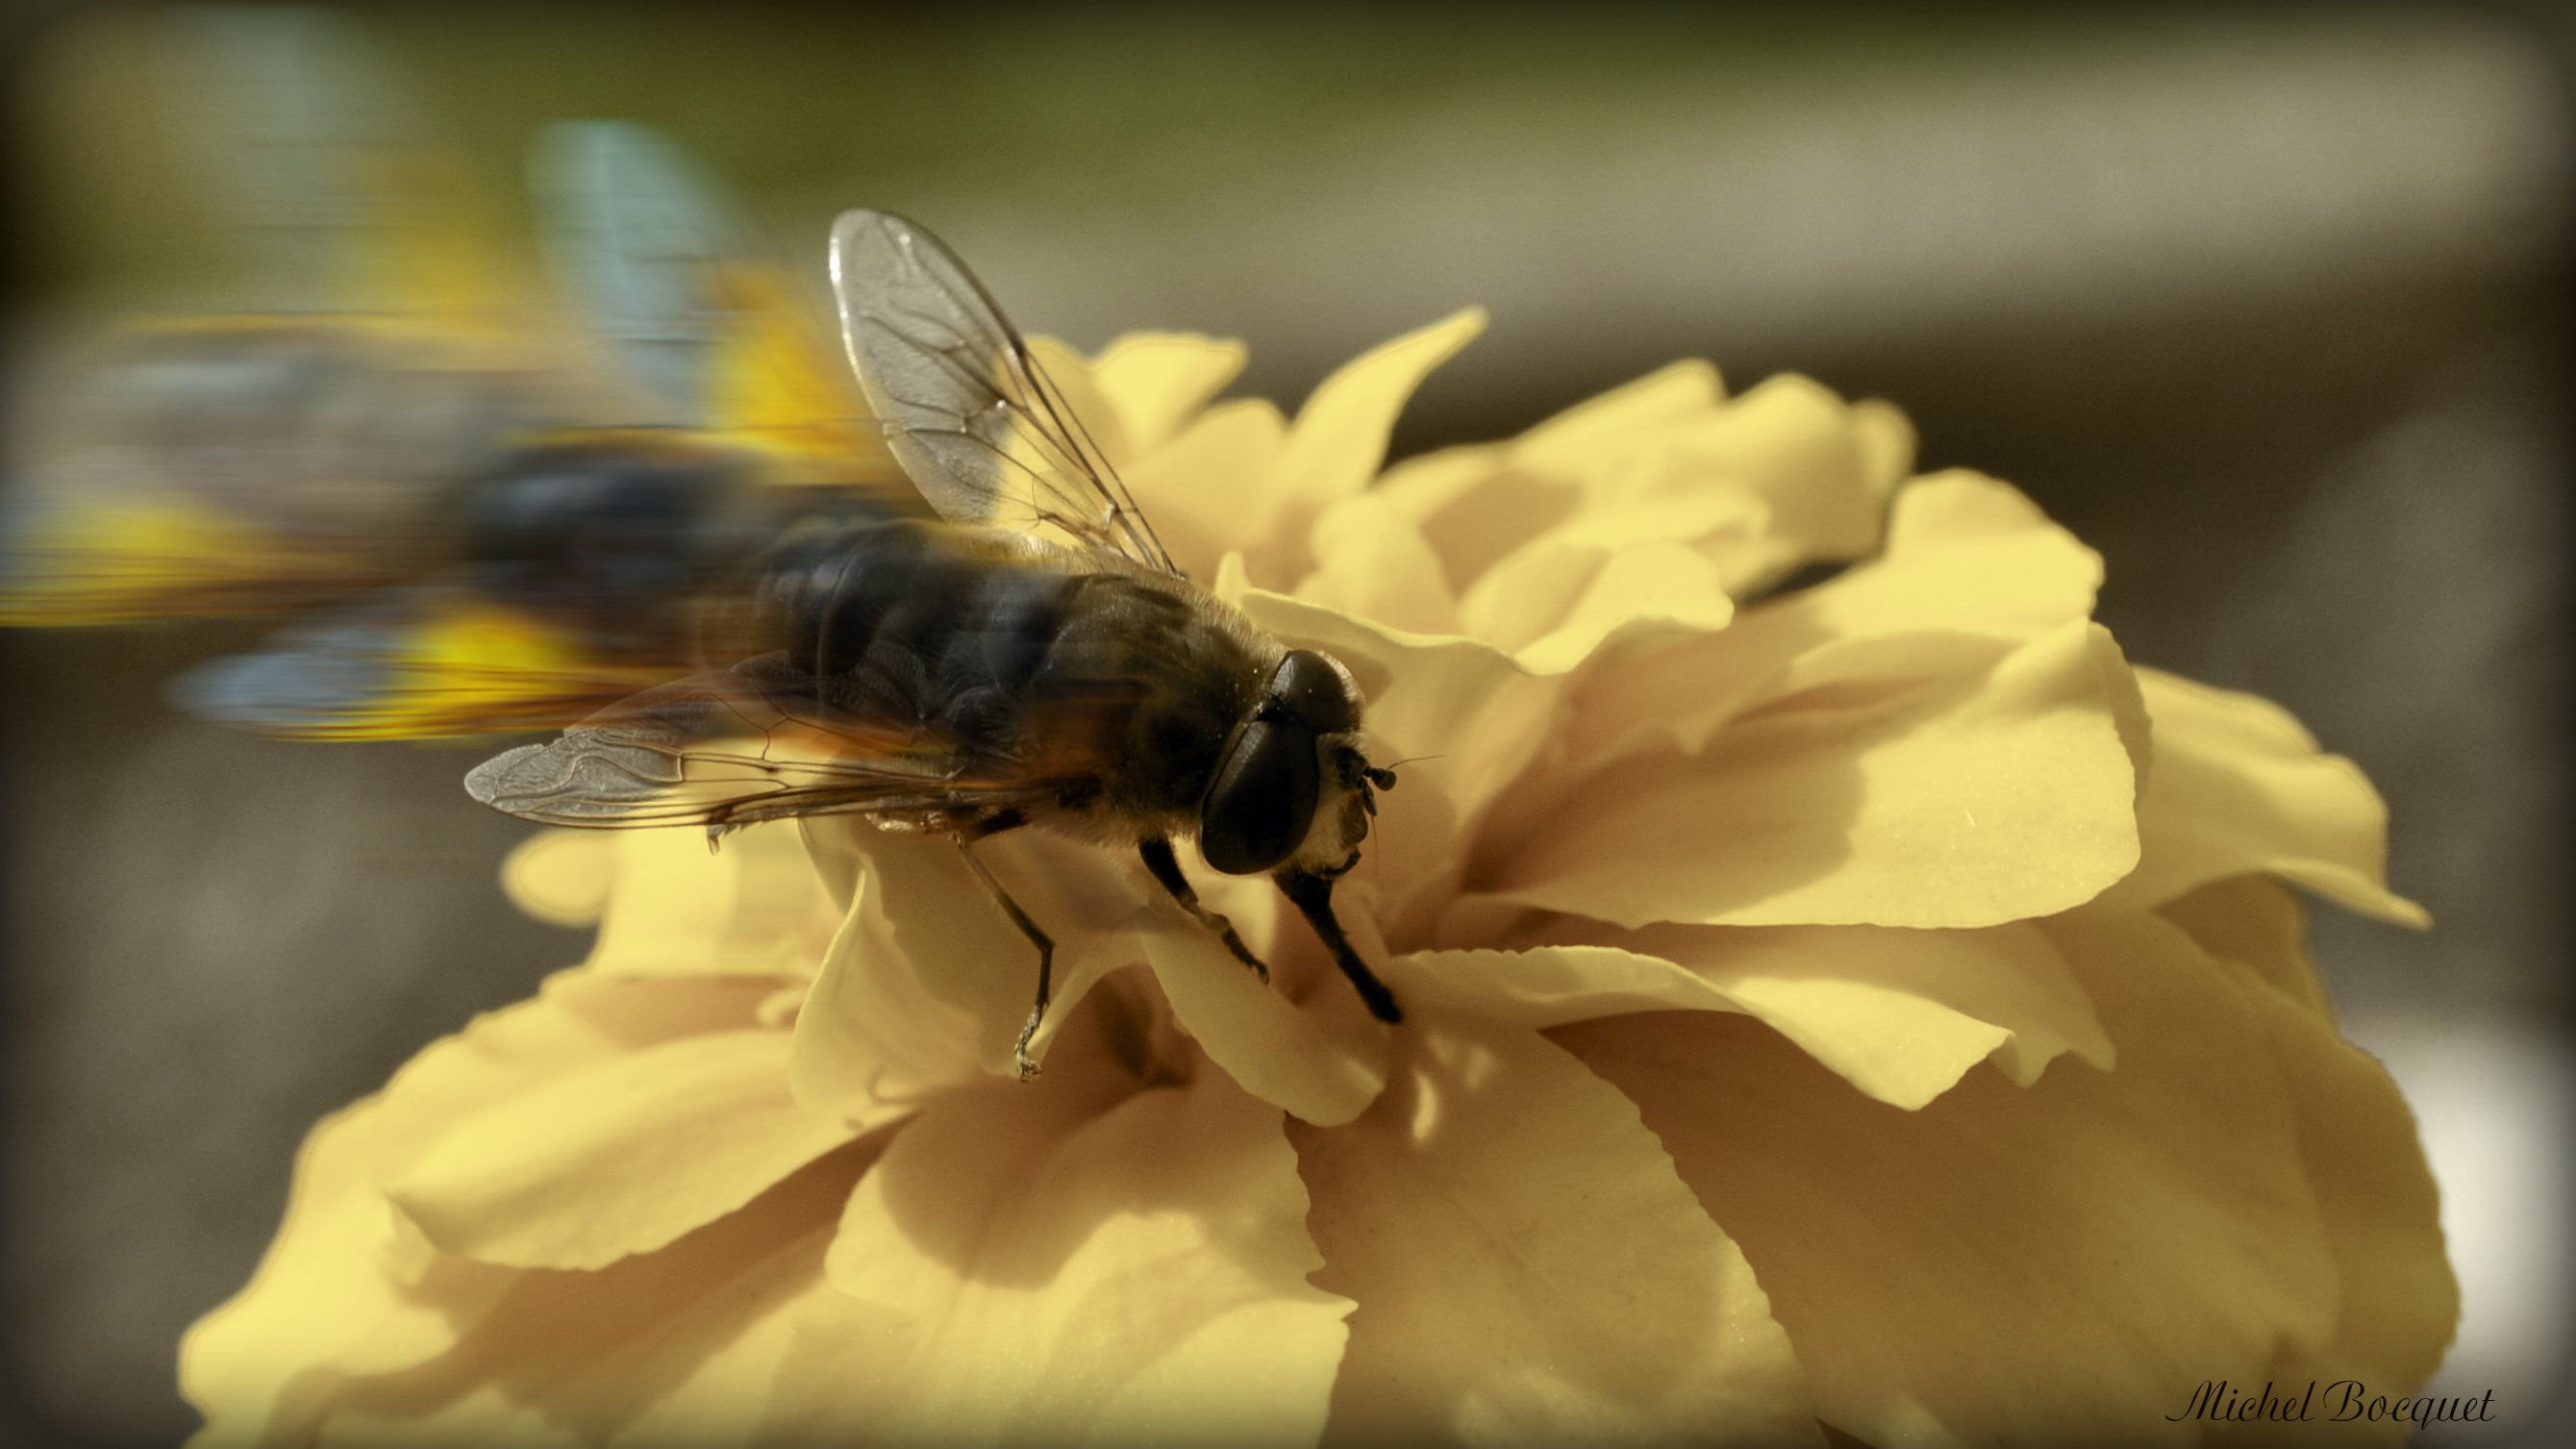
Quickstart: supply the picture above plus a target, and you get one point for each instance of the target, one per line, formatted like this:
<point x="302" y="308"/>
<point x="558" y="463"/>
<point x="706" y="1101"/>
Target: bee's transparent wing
<point x="637" y="234"/>
<point x="967" y="411"/>
<point x="735" y="747"/>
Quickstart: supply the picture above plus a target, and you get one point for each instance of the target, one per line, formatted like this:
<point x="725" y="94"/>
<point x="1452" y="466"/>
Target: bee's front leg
<point x="1166" y="869"/>
<point x="966" y="838"/>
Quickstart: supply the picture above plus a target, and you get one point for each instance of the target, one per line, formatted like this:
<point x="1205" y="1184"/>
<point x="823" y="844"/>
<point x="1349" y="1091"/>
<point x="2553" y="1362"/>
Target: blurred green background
<point x="2268" y="305"/>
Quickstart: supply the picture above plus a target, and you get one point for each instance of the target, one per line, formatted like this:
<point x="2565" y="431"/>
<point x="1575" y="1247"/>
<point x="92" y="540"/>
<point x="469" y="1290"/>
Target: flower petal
<point x="1073" y="1261"/>
<point x="1825" y="474"/>
<point x="1902" y="1015"/>
<point x="751" y="906"/>
<point x="619" y="1157"/>
<point x="1070" y="372"/>
<point x="872" y="1034"/>
<point x="667" y="1347"/>
<point x="2060" y="1263"/>
<point x="1374" y="562"/>
<point x="941" y="925"/>
<point x="1968" y="559"/>
<point x="1208" y="489"/>
<point x="1322" y="1060"/>
<point x="1466" y="1213"/>
<point x="561" y="877"/>
<point x="1340" y="435"/>
<point x="1339" y="439"/>
<point x="1157" y="381"/>
<point x="1997" y="796"/>
<point x="350" y="1287"/>
<point x="2363" y="1155"/>
<point x="1662" y="583"/>
<point x="2239" y="787"/>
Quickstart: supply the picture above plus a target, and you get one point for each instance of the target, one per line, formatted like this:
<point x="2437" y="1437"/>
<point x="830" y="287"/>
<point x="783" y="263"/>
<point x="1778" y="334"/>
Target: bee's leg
<point x="1166" y="870"/>
<point x="1313" y="897"/>
<point x="1037" y="938"/>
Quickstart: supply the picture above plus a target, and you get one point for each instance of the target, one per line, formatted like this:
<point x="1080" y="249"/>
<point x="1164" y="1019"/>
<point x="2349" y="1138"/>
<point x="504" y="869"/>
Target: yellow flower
<point x="1740" y="934"/>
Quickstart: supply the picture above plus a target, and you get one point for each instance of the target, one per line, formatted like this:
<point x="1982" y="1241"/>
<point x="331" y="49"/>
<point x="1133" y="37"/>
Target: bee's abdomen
<point x="1093" y="677"/>
<point x="915" y="623"/>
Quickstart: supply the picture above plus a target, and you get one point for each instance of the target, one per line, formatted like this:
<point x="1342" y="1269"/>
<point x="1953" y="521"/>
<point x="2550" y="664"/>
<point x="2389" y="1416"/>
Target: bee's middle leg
<point x="1166" y="869"/>
<point x="1040" y="939"/>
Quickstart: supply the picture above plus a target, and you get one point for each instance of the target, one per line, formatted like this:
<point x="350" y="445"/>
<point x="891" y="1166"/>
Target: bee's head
<point x="1293" y="790"/>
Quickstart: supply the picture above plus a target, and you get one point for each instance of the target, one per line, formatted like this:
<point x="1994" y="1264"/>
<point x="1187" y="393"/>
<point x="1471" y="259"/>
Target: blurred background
<point x="2269" y="305"/>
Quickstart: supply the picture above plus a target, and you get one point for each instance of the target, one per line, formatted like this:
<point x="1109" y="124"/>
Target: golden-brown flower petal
<point x="1528" y="1268"/>
<point x="2059" y="1263"/>
<point x="2238" y="787"/>
<point x="1902" y="1015"/>
<point x="1157" y="381"/>
<point x="620" y="1156"/>
<point x="1073" y="1261"/>
<point x="1995" y="796"/>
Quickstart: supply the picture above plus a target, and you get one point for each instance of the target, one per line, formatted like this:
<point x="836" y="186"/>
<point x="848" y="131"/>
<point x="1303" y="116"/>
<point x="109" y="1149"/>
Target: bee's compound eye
<point x="1314" y="693"/>
<point x="1257" y="811"/>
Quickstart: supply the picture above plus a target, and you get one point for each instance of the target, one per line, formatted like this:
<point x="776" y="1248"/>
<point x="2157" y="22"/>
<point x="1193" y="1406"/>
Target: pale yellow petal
<point x="1339" y="438"/>
<point x="945" y="928"/>
<point x="2238" y="787"/>
<point x="675" y="1347"/>
<point x="1157" y="381"/>
<point x="2060" y="1263"/>
<point x="1970" y="567"/>
<point x="1528" y="1268"/>
<point x="1070" y="372"/>
<point x="1373" y="562"/>
<point x="2256" y="922"/>
<point x="872" y="1034"/>
<point x="1996" y="796"/>
<point x="1659" y="584"/>
<point x="621" y="1156"/>
<point x="1321" y="1060"/>
<point x="349" y="1287"/>
<point x="1337" y="443"/>
<point x="1572" y="443"/>
<point x="1901" y="1015"/>
<point x="749" y="905"/>
<point x="1805" y="453"/>
<point x="1075" y="1261"/>
<point x="2365" y="1160"/>
<point x="1209" y="490"/>
<point x="561" y="877"/>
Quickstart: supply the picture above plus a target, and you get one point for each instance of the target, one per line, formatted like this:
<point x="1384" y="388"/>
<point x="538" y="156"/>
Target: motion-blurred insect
<point x="587" y="560"/>
<point x="300" y="447"/>
<point x="978" y="676"/>
<point x="492" y="514"/>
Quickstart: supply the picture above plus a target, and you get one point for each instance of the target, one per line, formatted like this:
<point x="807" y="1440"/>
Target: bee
<point x="1033" y="659"/>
